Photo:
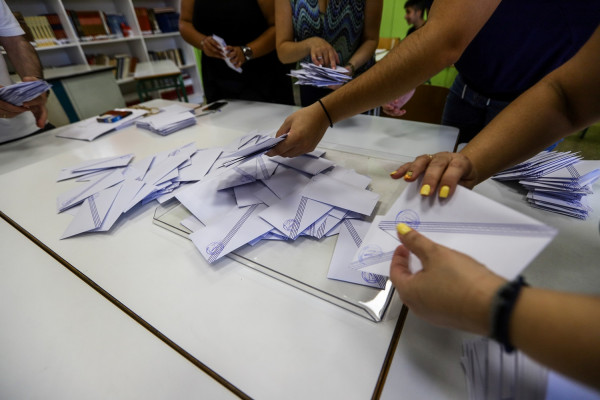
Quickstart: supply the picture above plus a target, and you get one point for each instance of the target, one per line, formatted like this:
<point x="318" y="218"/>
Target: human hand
<point x="235" y="55"/>
<point x="394" y="107"/>
<point x="211" y="48"/>
<point x="305" y="128"/>
<point x="38" y="105"/>
<point x="8" y="110"/>
<point x="444" y="169"/>
<point x="451" y="290"/>
<point x="322" y="53"/>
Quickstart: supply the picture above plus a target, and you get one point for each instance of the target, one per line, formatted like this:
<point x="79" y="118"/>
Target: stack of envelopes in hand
<point x="315" y="75"/>
<point x="23" y="92"/>
<point x="557" y="182"/>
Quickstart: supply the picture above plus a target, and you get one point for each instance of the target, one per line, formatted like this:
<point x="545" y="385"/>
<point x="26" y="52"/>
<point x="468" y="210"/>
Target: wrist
<point x="351" y="68"/>
<point x="501" y="310"/>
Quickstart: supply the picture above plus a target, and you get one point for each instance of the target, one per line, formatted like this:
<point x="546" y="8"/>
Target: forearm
<point x="264" y="44"/>
<point x="564" y="102"/>
<point x="451" y="27"/>
<point x="190" y="34"/>
<point x="560" y="330"/>
<point x="23" y="56"/>
<point x="290" y="51"/>
<point x="364" y="53"/>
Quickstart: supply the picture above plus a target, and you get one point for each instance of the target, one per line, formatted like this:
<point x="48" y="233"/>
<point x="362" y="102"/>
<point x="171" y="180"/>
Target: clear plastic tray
<point x="304" y="263"/>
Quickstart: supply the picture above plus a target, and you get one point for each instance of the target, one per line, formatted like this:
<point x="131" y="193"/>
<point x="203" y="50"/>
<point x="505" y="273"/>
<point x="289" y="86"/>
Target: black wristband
<point x="326" y="113"/>
<point x="502" y="307"/>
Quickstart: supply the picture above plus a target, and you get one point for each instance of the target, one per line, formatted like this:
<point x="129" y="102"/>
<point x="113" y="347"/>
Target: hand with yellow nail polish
<point x="441" y="171"/>
<point x="451" y="290"/>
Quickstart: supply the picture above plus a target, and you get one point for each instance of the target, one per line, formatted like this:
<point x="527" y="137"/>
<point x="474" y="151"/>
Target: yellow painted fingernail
<point x="425" y="190"/>
<point x="408" y="175"/>
<point x="393" y="173"/>
<point x="444" y="191"/>
<point x="402" y="228"/>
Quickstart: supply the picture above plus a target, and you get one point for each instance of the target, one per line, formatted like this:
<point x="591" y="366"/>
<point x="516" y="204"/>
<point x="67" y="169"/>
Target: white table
<point x="426" y="364"/>
<point x="267" y="339"/>
<point x="62" y="340"/>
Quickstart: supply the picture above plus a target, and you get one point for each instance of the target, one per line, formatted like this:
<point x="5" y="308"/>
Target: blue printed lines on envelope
<point x="233" y="230"/>
<point x="349" y="241"/>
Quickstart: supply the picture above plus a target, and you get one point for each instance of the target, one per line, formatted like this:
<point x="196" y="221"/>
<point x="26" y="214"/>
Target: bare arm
<point x="27" y="64"/>
<point x="450" y="28"/>
<point x="197" y="39"/>
<point x="565" y="101"/>
<point x="264" y="43"/>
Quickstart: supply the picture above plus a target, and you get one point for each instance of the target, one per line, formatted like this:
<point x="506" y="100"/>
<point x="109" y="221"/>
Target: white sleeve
<point x="9" y="26"/>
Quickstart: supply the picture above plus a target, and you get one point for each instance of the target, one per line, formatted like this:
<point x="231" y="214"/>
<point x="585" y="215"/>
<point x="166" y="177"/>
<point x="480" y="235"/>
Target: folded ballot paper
<point x="112" y="186"/>
<point x="316" y="75"/>
<point x="170" y="119"/>
<point x="504" y="240"/>
<point x="492" y="373"/>
<point x="557" y="182"/>
<point x="23" y="92"/>
<point x="223" y="45"/>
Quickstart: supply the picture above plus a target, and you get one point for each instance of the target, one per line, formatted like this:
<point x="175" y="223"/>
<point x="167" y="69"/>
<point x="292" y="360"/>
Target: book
<point x="57" y="28"/>
<point x="90" y="25"/>
<point x="114" y="24"/>
<point x="42" y="34"/>
<point x="142" y="17"/>
<point x="167" y="19"/>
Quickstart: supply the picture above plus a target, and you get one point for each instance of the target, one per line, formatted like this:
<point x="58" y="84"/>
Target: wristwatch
<point x="247" y="53"/>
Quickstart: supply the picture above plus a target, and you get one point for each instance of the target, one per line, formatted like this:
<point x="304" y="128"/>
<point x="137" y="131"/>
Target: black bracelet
<point x="326" y="113"/>
<point x="502" y="307"/>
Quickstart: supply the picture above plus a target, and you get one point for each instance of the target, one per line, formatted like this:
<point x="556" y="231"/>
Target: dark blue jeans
<point x="470" y="111"/>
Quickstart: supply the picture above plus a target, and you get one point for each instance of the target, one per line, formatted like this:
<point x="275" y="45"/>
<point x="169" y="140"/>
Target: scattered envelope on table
<point x="235" y="229"/>
<point x="349" y="240"/>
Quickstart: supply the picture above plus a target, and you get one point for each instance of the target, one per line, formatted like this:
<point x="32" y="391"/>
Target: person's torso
<point x="523" y="41"/>
<point x="341" y="25"/>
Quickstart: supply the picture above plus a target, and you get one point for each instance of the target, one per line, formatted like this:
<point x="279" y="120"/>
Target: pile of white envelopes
<point x="557" y="181"/>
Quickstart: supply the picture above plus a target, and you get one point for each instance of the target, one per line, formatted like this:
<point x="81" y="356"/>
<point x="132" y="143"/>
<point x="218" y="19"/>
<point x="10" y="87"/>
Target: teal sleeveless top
<point x="341" y="25"/>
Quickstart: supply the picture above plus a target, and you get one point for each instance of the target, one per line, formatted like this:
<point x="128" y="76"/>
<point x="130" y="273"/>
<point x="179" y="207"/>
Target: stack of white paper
<point x="556" y="181"/>
<point x="223" y="45"/>
<point x="492" y="373"/>
<point x="23" y="92"/>
<point x="315" y="75"/>
<point x="89" y="129"/>
<point x="171" y="119"/>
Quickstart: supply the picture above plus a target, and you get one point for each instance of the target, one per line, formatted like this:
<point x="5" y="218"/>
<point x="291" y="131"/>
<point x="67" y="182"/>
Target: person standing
<point x="328" y="33"/>
<point x="248" y="28"/>
<point x="19" y="121"/>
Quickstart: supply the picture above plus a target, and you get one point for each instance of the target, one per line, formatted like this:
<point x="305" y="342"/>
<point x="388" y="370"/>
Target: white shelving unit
<point x="136" y="45"/>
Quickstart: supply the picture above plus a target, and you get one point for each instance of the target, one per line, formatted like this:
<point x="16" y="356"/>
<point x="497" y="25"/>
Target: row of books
<point x="157" y="20"/>
<point x="176" y="55"/>
<point x="97" y="25"/>
<point x="124" y="63"/>
<point x="42" y="30"/>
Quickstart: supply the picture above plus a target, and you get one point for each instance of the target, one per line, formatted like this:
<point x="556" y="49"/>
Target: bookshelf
<point x="138" y="44"/>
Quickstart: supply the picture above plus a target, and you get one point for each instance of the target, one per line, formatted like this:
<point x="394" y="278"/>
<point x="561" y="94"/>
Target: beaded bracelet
<point x="503" y="304"/>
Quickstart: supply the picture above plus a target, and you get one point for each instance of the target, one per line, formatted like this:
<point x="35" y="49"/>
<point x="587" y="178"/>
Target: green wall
<point x="393" y="24"/>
